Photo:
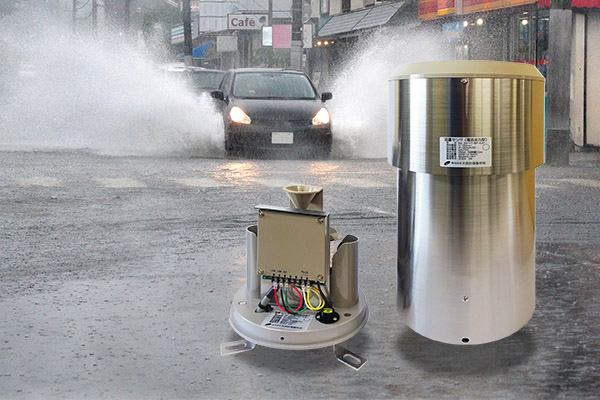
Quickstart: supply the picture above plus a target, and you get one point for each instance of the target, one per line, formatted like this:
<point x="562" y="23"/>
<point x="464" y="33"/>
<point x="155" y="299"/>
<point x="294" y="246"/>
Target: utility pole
<point x="187" y="33"/>
<point x="127" y="17"/>
<point x="558" y="120"/>
<point x="271" y="13"/>
<point x="95" y="17"/>
<point x="270" y="22"/>
<point x="74" y="16"/>
<point x="296" y="48"/>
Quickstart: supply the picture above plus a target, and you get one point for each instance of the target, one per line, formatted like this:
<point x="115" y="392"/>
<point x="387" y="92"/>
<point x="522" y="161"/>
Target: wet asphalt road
<point x="116" y="275"/>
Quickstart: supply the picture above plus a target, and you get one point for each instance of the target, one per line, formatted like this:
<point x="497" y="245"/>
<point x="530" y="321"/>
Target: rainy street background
<point x="122" y="222"/>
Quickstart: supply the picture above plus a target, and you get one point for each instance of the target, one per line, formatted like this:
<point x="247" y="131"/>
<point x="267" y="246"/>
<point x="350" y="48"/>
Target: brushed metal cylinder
<point x="252" y="276"/>
<point x="466" y="235"/>
<point x="466" y="255"/>
<point x="344" y="274"/>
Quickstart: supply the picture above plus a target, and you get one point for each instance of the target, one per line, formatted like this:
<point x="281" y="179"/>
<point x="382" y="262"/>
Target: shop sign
<point x="267" y="36"/>
<point x="177" y="33"/>
<point x="246" y="22"/>
<point x="227" y="44"/>
<point x="282" y="36"/>
<point x="471" y="6"/>
<point x="432" y="9"/>
<point x="452" y="30"/>
<point x="307" y="36"/>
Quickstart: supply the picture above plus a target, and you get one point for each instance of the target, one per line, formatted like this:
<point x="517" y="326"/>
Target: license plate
<point x="282" y="137"/>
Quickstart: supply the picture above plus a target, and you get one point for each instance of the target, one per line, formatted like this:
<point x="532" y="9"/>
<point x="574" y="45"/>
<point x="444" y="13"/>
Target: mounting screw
<point x="464" y="81"/>
<point x="321" y="220"/>
<point x="320" y="277"/>
<point x="261" y="213"/>
<point x="260" y="272"/>
<point x="465" y="298"/>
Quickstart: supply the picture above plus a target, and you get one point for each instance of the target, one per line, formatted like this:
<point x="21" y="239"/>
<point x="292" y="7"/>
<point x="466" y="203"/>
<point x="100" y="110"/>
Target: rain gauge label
<point x="293" y="322"/>
<point x="465" y="152"/>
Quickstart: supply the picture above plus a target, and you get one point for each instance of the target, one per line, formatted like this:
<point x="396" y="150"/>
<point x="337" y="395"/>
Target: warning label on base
<point x="465" y="152"/>
<point x="294" y="322"/>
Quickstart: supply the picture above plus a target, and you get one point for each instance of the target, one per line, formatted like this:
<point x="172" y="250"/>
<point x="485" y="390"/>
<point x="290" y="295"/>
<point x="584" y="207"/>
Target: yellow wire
<point x="308" y="299"/>
<point x="321" y="302"/>
<point x="321" y="299"/>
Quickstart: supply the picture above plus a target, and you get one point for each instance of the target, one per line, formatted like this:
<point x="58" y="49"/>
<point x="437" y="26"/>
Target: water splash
<point x="360" y="104"/>
<point x="61" y="91"/>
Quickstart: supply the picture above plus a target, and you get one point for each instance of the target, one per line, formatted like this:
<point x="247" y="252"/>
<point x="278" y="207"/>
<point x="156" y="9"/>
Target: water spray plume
<point x="360" y="104"/>
<point x="61" y="91"/>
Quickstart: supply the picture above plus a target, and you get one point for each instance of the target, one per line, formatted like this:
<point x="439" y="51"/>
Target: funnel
<point x="305" y="197"/>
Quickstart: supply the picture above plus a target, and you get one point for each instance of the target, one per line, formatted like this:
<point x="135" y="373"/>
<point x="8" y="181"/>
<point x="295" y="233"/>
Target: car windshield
<point x="207" y="79"/>
<point x="273" y="85"/>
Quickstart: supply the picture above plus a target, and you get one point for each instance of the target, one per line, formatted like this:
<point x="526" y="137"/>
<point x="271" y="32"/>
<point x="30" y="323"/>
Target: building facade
<point x="503" y="30"/>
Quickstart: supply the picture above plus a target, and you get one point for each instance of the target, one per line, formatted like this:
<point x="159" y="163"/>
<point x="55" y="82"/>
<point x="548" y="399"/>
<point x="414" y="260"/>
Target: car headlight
<point x="238" y="115"/>
<point x="321" y="118"/>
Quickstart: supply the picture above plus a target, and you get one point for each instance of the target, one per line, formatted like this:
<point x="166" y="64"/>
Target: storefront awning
<point x="360" y="19"/>
<point x="200" y="51"/>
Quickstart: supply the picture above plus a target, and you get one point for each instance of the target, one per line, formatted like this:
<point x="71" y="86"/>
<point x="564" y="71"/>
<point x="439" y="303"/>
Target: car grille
<point x="293" y="122"/>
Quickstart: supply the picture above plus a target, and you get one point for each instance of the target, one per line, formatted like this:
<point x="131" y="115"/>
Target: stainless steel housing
<point x="466" y="236"/>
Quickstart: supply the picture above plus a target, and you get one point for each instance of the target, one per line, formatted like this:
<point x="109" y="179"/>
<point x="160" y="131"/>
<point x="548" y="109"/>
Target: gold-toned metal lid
<point x="467" y="69"/>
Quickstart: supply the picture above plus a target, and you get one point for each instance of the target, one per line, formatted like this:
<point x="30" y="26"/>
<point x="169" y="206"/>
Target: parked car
<point x="273" y="110"/>
<point x="201" y="80"/>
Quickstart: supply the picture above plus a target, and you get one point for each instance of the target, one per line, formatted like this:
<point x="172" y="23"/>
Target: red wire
<point x="276" y="300"/>
<point x="300" y="295"/>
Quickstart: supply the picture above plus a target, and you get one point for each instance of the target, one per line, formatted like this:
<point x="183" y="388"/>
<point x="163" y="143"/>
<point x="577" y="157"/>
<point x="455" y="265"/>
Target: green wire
<point x="288" y="305"/>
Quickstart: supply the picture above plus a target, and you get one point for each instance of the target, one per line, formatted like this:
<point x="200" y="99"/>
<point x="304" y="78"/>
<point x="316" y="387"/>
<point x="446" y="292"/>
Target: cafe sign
<point x="246" y="22"/>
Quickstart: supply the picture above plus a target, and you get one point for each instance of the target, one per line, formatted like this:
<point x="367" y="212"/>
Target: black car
<point x="273" y="110"/>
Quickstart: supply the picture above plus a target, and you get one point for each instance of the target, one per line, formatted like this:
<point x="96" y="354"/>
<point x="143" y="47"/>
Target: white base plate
<point x="249" y="324"/>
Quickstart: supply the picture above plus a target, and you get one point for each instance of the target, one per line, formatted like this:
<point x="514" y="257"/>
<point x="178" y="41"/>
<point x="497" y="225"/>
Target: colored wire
<point x="308" y="303"/>
<point x="284" y="301"/>
<point x="303" y="290"/>
<point x="321" y="302"/>
<point x="291" y="310"/>
<point x="276" y="300"/>
<point x="286" y="306"/>
<point x="327" y="302"/>
<point x="299" y="295"/>
<point x="321" y="299"/>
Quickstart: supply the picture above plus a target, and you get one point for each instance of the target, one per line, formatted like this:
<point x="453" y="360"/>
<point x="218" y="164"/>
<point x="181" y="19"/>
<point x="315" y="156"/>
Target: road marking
<point x="379" y="211"/>
<point x="361" y="183"/>
<point x="584" y="182"/>
<point x="199" y="182"/>
<point x="45" y="181"/>
<point x="544" y="186"/>
<point x="274" y="183"/>
<point x="120" y="183"/>
<point x="556" y="183"/>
